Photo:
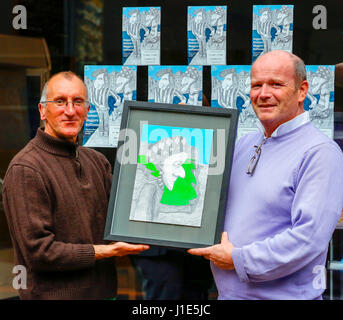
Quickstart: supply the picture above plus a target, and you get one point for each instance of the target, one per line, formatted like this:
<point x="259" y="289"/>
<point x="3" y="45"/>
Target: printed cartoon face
<point x="317" y="83"/>
<point x="227" y="83"/>
<point x="199" y="17"/>
<point x="120" y="83"/>
<point x="172" y="169"/>
<point x="273" y="93"/>
<point x="164" y="82"/>
<point x="247" y="84"/>
<point x="134" y="18"/>
<point x="186" y="82"/>
<point x="99" y="81"/>
<point x="214" y="17"/>
<point x="66" y="121"/>
<point x="149" y="17"/>
<point x="280" y="17"/>
<point x="264" y="16"/>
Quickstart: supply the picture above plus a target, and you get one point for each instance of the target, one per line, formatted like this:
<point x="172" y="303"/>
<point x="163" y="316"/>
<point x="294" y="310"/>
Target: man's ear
<point x="42" y="111"/>
<point x="303" y="89"/>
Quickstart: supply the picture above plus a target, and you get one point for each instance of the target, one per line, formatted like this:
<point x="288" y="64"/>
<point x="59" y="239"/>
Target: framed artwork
<point x="171" y="174"/>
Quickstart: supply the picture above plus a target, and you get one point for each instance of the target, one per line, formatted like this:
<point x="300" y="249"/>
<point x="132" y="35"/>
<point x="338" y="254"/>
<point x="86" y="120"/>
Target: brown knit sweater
<point x="55" y="197"/>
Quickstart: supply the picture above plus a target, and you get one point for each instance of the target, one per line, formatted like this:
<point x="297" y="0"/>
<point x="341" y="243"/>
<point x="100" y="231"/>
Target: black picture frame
<point x="223" y="124"/>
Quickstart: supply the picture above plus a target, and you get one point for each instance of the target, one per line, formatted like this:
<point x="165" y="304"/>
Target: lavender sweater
<point x="281" y="219"/>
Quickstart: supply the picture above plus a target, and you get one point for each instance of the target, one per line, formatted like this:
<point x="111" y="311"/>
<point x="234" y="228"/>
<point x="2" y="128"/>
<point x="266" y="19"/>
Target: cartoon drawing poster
<point x="231" y="89"/>
<point x="171" y="175"/>
<point x="141" y="35"/>
<point x="206" y="35"/>
<point x="175" y="84"/>
<point x="108" y="87"/>
<point x="319" y="101"/>
<point x="272" y="29"/>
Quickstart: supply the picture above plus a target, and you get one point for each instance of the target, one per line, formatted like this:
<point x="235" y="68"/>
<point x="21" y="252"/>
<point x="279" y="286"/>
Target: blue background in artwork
<point x="88" y="70"/>
<point x="191" y="9"/>
<point x="201" y="139"/>
<point x="216" y="70"/>
<point x="257" y="8"/>
<point x="127" y="10"/>
<point x="153" y="70"/>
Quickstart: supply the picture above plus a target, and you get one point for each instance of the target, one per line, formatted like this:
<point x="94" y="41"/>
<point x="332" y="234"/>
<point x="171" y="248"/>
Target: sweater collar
<point x="287" y="126"/>
<point x="53" y="145"/>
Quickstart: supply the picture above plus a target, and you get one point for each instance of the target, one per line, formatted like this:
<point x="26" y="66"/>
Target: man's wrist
<point x="100" y="251"/>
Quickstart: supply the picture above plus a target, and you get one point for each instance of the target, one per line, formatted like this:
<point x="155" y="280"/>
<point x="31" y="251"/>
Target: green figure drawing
<point x="177" y="176"/>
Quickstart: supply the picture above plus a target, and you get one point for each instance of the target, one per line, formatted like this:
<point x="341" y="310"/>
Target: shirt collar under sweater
<point x="54" y="145"/>
<point x="287" y="126"/>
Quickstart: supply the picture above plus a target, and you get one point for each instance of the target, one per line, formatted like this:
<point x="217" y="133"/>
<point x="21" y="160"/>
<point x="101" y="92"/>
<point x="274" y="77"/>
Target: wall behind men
<point x="63" y="24"/>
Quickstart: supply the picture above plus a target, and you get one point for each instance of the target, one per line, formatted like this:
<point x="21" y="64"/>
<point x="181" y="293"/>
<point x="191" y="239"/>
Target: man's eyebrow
<point x="60" y="97"/>
<point x="65" y="98"/>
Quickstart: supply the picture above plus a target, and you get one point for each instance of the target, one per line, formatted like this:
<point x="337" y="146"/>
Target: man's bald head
<point x="299" y="65"/>
<point x="69" y="75"/>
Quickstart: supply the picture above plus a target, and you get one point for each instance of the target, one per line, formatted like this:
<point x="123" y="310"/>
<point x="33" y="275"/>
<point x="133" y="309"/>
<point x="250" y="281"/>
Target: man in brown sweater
<point x="55" y="197"/>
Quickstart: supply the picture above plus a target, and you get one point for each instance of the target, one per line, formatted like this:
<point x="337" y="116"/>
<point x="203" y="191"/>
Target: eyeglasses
<point x="62" y="103"/>
<point x="254" y="160"/>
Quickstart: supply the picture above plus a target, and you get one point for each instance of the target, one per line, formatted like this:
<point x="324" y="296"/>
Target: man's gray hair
<point x="300" y="70"/>
<point x="65" y="74"/>
<point x="44" y="93"/>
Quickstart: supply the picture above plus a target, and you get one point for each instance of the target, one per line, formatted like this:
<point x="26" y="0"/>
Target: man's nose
<point x="69" y="108"/>
<point x="265" y="92"/>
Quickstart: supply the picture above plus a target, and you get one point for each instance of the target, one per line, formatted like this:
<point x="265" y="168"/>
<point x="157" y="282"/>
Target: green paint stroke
<point x="183" y="190"/>
<point x="149" y="165"/>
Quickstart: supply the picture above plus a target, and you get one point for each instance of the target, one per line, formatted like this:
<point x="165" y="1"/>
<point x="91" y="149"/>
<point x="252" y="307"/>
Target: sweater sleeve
<point x="28" y="207"/>
<point x="316" y="208"/>
<point x="108" y="177"/>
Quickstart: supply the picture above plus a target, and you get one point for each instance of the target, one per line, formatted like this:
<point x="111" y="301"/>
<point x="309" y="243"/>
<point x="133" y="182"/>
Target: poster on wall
<point x="175" y="84"/>
<point x="108" y="88"/>
<point x="272" y="29"/>
<point x="171" y="175"/>
<point x="319" y="101"/>
<point x="231" y="89"/>
<point x="206" y="35"/>
<point x="141" y="35"/>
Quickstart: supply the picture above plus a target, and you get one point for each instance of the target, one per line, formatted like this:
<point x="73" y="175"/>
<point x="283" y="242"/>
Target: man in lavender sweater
<point x="285" y="194"/>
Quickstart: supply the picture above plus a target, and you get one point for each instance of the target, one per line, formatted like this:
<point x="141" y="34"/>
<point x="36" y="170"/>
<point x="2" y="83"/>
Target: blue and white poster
<point x="231" y="89"/>
<point x="206" y="35"/>
<point x="175" y="84"/>
<point x="141" y="35"/>
<point x="320" y="98"/>
<point x="108" y="87"/>
<point x="272" y="29"/>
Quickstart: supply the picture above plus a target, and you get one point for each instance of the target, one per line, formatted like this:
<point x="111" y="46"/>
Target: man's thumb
<point x="225" y="237"/>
